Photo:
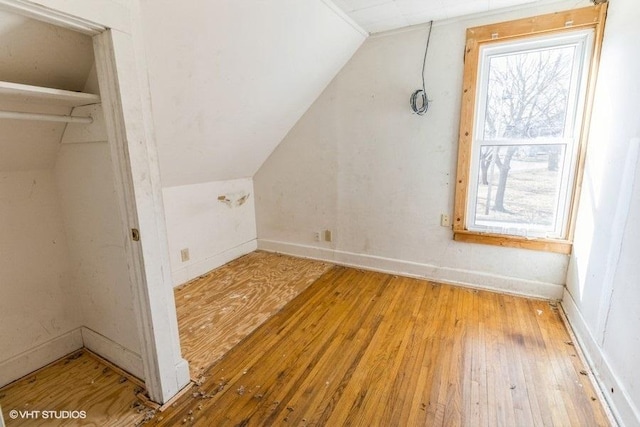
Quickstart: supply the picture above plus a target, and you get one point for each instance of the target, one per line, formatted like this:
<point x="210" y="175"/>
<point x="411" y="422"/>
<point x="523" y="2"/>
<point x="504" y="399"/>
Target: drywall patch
<point x="234" y="200"/>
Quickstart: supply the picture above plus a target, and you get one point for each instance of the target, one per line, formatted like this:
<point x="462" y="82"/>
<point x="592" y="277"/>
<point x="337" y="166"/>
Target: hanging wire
<point x="419" y="101"/>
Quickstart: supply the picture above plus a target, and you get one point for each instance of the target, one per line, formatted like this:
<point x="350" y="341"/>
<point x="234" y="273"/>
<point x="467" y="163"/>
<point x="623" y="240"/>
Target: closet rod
<point x="44" y="117"/>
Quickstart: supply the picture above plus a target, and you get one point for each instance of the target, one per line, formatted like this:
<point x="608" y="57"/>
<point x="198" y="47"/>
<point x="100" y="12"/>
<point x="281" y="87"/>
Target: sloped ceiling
<point x="40" y="54"/>
<point x="230" y="78"/>
<point x="382" y="15"/>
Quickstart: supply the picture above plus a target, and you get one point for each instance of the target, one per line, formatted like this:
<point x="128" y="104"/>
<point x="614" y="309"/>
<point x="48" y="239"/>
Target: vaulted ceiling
<point x="381" y="15"/>
<point x="230" y="78"/>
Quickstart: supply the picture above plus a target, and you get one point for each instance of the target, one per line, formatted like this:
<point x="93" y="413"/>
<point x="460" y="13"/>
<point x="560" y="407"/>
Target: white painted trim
<point x="619" y="401"/>
<point x="61" y="19"/>
<point x="200" y="267"/>
<point x="33" y="359"/>
<point x="110" y="350"/>
<point x="346" y="18"/>
<point x="138" y="185"/>
<point x="466" y="278"/>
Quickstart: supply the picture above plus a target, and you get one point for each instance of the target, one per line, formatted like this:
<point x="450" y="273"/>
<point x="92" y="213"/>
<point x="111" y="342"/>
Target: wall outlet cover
<point x="184" y="254"/>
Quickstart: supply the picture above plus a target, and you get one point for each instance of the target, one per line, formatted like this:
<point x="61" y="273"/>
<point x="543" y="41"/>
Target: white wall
<point x="604" y="273"/>
<point x="361" y="164"/>
<point x="96" y="241"/>
<point x="228" y="80"/>
<point x="37" y="301"/>
<point x="214" y="231"/>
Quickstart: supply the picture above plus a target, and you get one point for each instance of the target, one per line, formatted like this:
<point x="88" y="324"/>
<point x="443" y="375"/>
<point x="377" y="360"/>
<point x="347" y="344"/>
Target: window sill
<point x="537" y="244"/>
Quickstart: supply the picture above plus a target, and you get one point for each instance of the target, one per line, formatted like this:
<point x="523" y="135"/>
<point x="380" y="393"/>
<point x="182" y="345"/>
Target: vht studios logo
<point x="47" y="415"/>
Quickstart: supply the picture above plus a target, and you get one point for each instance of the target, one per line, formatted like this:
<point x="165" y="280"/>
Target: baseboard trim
<point x="110" y="350"/>
<point x="467" y="278"/>
<point x="33" y="359"/>
<point x="51" y="351"/>
<point x="198" y="268"/>
<point x="619" y="401"/>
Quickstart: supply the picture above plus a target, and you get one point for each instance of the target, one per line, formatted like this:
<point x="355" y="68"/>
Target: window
<point x="526" y="102"/>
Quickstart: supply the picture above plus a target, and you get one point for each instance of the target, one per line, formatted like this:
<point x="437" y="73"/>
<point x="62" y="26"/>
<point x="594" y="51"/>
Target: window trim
<point x="584" y="18"/>
<point x="582" y="41"/>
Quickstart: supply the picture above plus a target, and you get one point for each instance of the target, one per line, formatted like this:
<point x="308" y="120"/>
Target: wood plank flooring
<point x="79" y="382"/>
<point x="364" y="348"/>
<point x="219" y="309"/>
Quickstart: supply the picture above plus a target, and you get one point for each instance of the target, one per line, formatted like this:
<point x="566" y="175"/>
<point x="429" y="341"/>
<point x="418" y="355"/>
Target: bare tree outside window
<point x="527" y="105"/>
<point x="526" y="99"/>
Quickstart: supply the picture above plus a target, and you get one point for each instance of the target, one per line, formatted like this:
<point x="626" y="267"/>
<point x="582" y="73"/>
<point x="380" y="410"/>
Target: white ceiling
<point x="382" y="15"/>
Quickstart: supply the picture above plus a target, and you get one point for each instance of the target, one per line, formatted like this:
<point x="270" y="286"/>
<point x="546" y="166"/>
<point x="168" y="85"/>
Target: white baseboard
<point x="183" y="376"/>
<point x="37" y="357"/>
<point x="198" y="268"/>
<point x="468" y="278"/>
<point x="120" y="356"/>
<point x="33" y="359"/>
<point x="619" y="400"/>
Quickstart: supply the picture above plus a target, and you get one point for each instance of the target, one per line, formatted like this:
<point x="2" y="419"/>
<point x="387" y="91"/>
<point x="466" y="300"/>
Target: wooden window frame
<point x="592" y="17"/>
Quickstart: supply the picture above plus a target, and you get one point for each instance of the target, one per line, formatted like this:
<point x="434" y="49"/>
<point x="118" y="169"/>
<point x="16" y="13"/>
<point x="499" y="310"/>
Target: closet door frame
<point x="125" y="98"/>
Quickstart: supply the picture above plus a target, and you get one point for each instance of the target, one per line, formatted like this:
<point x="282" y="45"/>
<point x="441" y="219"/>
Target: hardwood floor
<point x="79" y="382"/>
<point x="219" y="309"/>
<point x="364" y="348"/>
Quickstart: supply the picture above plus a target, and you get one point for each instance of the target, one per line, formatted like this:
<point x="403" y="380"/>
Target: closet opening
<point x="77" y="176"/>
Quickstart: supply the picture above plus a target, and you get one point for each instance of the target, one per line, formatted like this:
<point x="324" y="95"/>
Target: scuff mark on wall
<point x="234" y="200"/>
<point x="33" y="186"/>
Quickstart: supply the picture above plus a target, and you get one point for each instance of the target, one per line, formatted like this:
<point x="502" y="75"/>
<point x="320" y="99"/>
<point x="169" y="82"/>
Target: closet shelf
<point x="45" y="95"/>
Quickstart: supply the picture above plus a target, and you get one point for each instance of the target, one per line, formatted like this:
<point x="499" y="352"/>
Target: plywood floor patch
<point x="78" y="382"/>
<point x="219" y="309"/>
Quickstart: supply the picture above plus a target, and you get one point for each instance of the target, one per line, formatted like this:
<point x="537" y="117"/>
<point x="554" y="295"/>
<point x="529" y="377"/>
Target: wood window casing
<point x="592" y="17"/>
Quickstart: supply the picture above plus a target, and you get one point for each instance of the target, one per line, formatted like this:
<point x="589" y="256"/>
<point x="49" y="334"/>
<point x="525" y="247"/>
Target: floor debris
<point x="148" y="416"/>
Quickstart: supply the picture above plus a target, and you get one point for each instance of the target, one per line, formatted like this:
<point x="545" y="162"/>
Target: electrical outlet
<point x="328" y="236"/>
<point x="184" y="254"/>
<point x="445" y="220"/>
<point x="316" y="236"/>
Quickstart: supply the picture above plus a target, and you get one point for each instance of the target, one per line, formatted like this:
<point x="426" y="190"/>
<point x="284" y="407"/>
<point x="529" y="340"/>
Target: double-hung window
<point x="525" y="107"/>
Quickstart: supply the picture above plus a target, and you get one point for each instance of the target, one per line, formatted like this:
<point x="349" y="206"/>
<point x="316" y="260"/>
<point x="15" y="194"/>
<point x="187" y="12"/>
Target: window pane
<point x="518" y="189"/>
<point x="528" y="94"/>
